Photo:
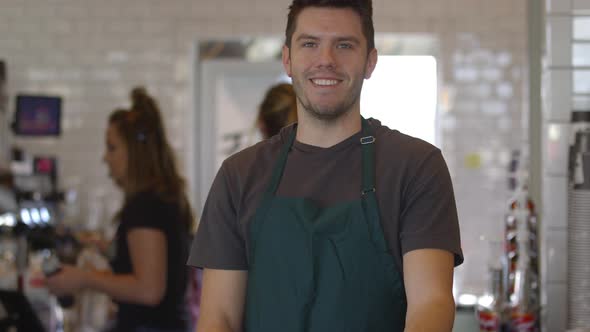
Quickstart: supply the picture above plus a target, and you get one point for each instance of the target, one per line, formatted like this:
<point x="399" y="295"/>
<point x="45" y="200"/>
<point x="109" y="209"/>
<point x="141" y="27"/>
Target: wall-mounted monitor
<point x="37" y="115"/>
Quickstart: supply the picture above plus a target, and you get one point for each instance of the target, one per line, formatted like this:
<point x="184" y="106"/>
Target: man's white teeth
<point x="325" y="82"/>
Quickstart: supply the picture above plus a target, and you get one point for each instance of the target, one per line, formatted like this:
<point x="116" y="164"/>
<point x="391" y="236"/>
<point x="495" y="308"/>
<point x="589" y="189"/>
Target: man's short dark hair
<point x="364" y="8"/>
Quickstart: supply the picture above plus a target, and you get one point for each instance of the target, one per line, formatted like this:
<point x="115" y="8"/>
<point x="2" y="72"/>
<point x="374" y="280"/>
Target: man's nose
<point x="326" y="57"/>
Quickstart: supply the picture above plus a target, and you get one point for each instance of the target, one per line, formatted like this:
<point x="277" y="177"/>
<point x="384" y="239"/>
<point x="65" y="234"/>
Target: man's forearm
<point x="123" y="287"/>
<point x="434" y="316"/>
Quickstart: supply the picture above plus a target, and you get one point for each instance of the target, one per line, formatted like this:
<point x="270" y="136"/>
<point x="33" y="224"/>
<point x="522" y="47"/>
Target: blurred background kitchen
<point x="494" y="84"/>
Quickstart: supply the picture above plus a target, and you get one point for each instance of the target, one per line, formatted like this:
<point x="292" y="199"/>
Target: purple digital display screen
<point x="38" y="115"/>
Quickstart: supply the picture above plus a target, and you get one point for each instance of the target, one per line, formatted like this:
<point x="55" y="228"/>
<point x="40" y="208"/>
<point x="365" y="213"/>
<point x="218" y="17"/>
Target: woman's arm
<point x="147" y="284"/>
<point x="95" y="240"/>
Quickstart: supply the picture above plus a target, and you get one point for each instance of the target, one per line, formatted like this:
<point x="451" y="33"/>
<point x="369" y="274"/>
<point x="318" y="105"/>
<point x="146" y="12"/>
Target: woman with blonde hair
<point x="277" y="110"/>
<point x="149" y="276"/>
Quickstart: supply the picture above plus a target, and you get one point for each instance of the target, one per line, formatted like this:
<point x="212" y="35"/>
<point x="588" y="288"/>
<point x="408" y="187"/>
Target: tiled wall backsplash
<point x="566" y="87"/>
<point x="93" y="52"/>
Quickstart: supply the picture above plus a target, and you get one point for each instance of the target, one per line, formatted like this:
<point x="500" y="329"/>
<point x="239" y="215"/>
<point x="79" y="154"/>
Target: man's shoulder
<point x="257" y="156"/>
<point x="401" y="144"/>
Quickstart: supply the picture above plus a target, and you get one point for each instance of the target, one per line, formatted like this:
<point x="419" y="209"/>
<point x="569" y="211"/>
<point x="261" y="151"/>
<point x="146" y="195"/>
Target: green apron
<point x="316" y="269"/>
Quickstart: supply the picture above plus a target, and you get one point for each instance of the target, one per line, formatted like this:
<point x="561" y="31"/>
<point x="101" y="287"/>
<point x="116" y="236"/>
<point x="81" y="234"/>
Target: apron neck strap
<point x="277" y="172"/>
<point x="368" y="146"/>
<point x="367" y="141"/>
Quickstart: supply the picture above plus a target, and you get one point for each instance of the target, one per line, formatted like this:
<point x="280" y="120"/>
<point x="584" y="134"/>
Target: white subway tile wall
<point x="555" y="313"/>
<point x="565" y="87"/>
<point x="554" y="204"/>
<point x="93" y="52"/>
<point x="559" y="38"/>
<point x="580" y="6"/>
<point x="555" y="269"/>
<point x="558" y="6"/>
<point x="556" y="148"/>
<point x="558" y="102"/>
<point x="581" y="55"/>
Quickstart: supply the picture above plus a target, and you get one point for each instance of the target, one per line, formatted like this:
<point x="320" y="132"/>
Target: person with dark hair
<point x="149" y="276"/>
<point x="277" y="110"/>
<point x="337" y="223"/>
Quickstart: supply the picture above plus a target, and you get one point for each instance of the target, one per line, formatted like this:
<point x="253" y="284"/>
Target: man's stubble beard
<point x="328" y="113"/>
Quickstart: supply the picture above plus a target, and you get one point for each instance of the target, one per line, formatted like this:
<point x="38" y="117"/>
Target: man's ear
<point x="287" y="59"/>
<point x="371" y="63"/>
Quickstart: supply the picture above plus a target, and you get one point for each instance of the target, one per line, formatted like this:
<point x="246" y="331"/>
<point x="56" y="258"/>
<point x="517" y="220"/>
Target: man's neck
<point x="327" y="133"/>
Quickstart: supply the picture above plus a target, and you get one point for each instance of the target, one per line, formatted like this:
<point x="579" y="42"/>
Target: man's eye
<point x="344" y="45"/>
<point x="309" y="44"/>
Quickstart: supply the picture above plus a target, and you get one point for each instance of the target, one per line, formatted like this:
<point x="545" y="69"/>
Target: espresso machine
<point x="30" y="237"/>
<point x="29" y="211"/>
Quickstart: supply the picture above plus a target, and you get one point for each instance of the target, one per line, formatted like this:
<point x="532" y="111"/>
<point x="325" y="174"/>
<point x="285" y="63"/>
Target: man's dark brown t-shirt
<point x="413" y="187"/>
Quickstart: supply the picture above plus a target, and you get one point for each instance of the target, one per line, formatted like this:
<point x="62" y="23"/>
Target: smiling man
<point x="337" y="223"/>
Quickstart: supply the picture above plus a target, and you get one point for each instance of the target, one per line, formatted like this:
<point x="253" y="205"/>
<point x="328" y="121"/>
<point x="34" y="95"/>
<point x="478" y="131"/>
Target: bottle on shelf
<point x="491" y="307"/>
<point x="523" y="295"/>
<point x="521" y="253"/>
<point x="524" y="301"/>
